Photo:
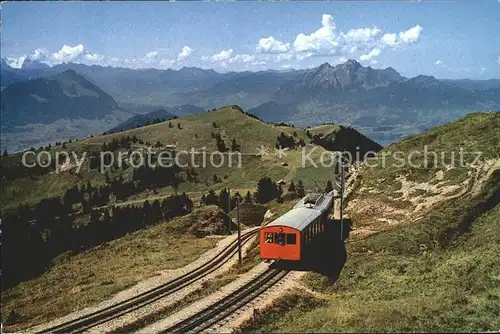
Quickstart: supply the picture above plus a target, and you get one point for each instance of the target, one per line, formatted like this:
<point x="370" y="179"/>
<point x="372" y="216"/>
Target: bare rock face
<point x="350" y="76"/>
<point x="268" y="216"/>
<point x="251" y="214"/>
<point x="212" y="221"/>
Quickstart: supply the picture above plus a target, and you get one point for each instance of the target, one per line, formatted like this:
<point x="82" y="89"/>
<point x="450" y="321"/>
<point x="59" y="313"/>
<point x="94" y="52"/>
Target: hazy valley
<point x="380" y="103"/>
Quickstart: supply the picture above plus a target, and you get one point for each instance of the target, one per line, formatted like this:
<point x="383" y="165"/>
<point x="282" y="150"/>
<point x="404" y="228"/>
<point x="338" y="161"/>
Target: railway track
<point x="229" y="304"/>
<point x="114" y="311"/>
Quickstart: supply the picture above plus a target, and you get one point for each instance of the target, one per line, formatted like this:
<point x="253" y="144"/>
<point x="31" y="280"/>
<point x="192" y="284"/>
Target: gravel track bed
<point x="206" y="301"/>
<point x="234" y="322"/>
<point x="134" y="316"/>
<point x="162" y="277"/>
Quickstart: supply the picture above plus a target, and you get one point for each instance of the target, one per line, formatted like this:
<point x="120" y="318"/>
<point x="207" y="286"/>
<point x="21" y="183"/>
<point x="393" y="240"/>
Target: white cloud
<point x="242" y="58"/>
<point x="323" y="40"/>
<point x="411" y="35"/>
<point x="498" y="59"/>
<point x="39" y="54"/>
<point x="15" y="62"/>
<point x="94" y="57"/>
<point x="389" y="39"/>
<point x="362" y="35"/>
<point x="129" y="61"/>
<point x="186" y="51"/>
<point x="438" y="62"/>
<point x="271" y="45"/>
<point x="340" y="60"/>
<point x="372" y="54"/>
<point x="152" y="54"/>
<point x="68" y="53"/>
<point x="363" y="43"/>
<point x="167" y="63"/>
<point x="328" y="40"/>
<point x="221" y="56"/>
<point x="286" y="67"/>
<point x="280" y="57"/>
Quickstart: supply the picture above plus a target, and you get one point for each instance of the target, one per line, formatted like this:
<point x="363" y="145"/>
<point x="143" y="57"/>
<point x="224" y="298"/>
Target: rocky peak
<point x="29" y="64"/>
<point x="324" y="66"/>
<point x="351" y="65"/>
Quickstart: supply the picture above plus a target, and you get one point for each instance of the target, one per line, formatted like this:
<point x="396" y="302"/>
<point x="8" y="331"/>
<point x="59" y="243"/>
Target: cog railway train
<point x="290" y="236"/>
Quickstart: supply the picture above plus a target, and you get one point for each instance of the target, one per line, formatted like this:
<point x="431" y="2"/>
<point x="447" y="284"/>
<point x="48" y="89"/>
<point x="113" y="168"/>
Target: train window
<point x="269" y="238"/>
<point x="291" y="239"/>
<point x="280" y="238"/>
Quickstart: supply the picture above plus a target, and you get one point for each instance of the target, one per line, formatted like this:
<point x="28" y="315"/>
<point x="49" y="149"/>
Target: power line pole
<point x="342" y="201"/>
<point x="239" y="227"/>
<point x="229" y="209"/>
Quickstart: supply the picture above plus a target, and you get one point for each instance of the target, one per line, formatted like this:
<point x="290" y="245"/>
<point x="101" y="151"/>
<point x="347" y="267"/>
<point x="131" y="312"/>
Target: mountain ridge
<point x="381" y="103"/>
<point x="159" y="114"/>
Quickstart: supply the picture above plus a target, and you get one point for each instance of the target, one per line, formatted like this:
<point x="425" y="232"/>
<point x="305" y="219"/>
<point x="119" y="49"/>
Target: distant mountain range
<point x="380" y="103"/>
<point x="45" y="100"/>
<point x="58" y="107"/>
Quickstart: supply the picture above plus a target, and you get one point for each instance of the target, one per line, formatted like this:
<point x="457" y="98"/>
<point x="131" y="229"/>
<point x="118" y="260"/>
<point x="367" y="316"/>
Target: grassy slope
<point x="438" y="274"/>
<point x="250" y="133"/>
<point x="414" y="278"/>
<point x="475" y="132"/>
<point x="74" y="282"/>
<point x="380" y="187"/>
<point x="77" y="281"/>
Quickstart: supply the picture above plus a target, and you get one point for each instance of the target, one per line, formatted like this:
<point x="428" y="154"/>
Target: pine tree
<point x="234" y="145"/>
<point x="5" y="154"/>
<point x="300" y="189"/>
<point x="329" y="186"/>
<point x="224" y="200"/>
<point x="248" y="197"/>
<point x="291" y="187"/>
<point x="267" y="190"/>
<point x="211" y="198"/>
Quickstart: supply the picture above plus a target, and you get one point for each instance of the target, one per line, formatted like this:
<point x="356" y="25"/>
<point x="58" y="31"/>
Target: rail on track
<point x="131" y="304"/>
<point x="229" y="304"/>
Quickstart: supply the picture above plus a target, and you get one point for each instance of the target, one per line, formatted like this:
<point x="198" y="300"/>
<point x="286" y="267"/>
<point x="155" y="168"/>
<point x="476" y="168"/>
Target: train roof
<point x="305" y="211"/>
<point x="319" y="202"/>
<point x="297" y="218"/>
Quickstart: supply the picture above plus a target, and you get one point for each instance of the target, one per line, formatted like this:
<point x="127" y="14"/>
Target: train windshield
<point x="280" y="238"/>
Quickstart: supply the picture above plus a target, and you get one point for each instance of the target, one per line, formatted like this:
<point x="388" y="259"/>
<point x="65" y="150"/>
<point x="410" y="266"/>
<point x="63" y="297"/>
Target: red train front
<point x="280" y="242"/>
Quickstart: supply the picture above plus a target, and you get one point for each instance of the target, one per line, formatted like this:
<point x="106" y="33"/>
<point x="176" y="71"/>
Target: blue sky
<point x="447" y="39"/>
